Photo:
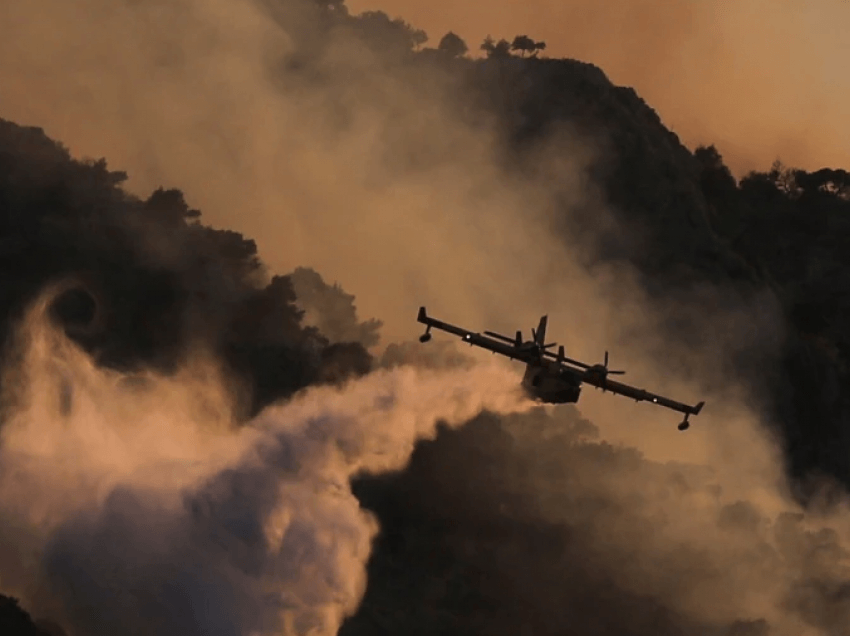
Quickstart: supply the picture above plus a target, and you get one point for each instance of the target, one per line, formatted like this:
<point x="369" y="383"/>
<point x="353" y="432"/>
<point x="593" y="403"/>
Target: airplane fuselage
<point x="547" y="384"/>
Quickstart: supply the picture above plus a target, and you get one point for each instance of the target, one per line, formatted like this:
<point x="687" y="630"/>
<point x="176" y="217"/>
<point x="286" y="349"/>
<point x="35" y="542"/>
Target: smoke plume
<point x="136" y="505"/>
<point x="554" y="530"/>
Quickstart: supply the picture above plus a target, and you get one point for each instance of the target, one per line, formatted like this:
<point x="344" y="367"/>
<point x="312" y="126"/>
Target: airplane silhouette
<point x="554" y="378"/>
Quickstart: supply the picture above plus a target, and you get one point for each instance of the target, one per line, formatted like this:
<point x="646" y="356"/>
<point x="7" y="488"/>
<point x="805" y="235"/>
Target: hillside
<point x="490" y="531"/>
<point x="688" y="222"/>
<point x="464" y="553"/>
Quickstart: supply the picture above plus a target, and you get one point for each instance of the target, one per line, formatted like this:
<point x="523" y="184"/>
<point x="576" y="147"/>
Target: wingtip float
<point x="554" y="378"/>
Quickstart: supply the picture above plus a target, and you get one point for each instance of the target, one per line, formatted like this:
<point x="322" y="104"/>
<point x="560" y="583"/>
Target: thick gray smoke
<point x="133" y="505"/>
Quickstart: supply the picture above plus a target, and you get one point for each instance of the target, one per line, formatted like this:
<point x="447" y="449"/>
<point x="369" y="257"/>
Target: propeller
<point x="604" y="365"/>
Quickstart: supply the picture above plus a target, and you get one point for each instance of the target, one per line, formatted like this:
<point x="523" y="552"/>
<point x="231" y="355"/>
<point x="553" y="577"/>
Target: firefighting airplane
<point x="551" y="378"/>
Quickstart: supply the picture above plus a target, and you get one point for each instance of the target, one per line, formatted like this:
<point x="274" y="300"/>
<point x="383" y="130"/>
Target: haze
<point x="178" y="95"/>
<point x="759" y="79"/>
<point x="404" y="203"/>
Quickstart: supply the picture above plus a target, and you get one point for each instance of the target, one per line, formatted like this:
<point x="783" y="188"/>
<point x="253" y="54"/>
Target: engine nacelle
<point x="685" y="425"/>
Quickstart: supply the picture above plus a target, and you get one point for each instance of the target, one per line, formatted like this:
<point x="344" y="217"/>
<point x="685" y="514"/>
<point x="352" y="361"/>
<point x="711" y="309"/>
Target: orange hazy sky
<point x="761" y="79"/>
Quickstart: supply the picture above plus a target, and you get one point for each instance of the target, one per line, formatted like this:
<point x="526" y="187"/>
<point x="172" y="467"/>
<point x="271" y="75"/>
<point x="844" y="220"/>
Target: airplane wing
<point x="640" y="395"/>
<point x="495" y="342"/>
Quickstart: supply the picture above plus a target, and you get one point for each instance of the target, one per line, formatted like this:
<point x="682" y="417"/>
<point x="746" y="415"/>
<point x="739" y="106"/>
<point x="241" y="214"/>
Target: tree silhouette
<point x="452" y="44"/>
<point x="716" y="180"/>
<point x="156" y="277"/>
<point x="169" y="207"/>
<point x="525" y="45"/>
<point x="378" y="28"/>
<point x="825" y="180"/>
<point x="502" y="48"/>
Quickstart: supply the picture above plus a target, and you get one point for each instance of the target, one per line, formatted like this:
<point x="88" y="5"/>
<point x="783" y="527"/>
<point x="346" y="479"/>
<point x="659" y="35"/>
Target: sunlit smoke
<point x="718" y="543"/>
<point x="136" y="505"/>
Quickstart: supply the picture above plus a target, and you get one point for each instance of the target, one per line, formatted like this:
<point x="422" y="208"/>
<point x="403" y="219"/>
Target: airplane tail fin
<point x="540" y="332"/>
